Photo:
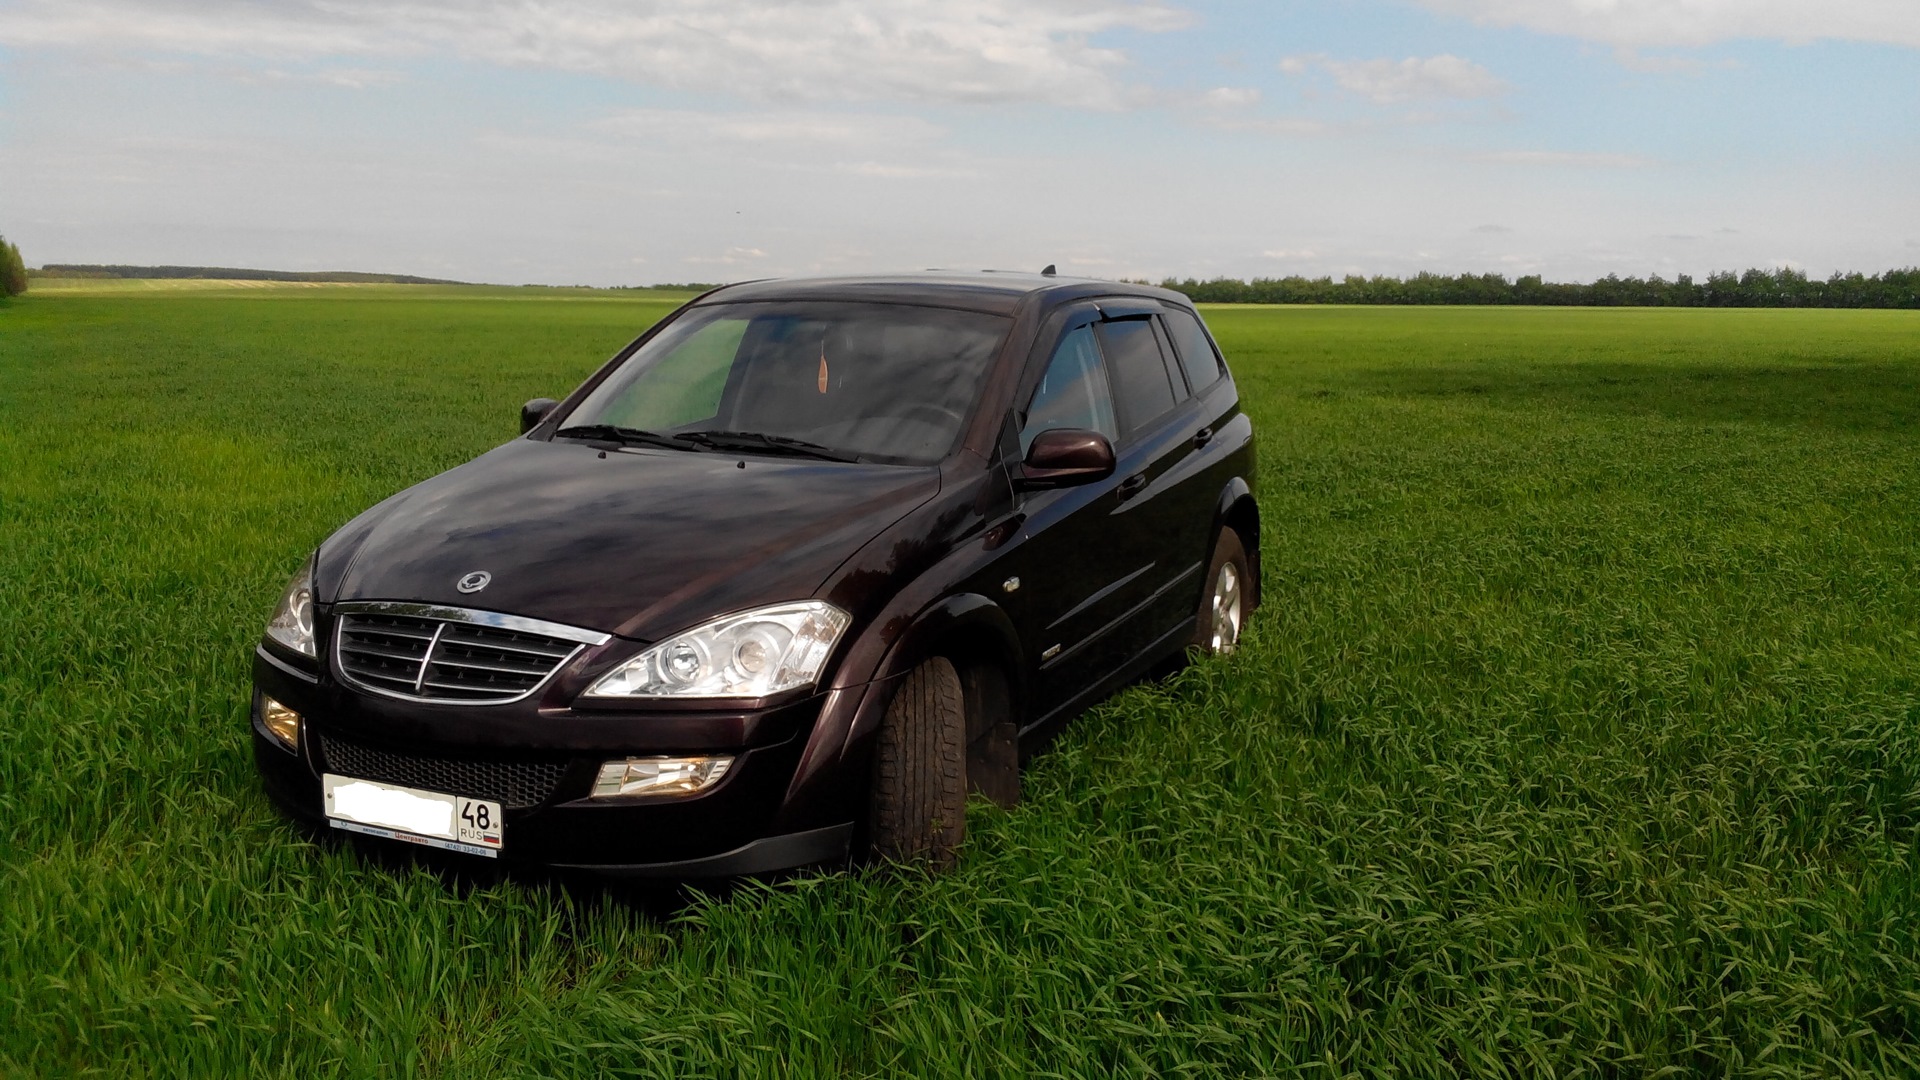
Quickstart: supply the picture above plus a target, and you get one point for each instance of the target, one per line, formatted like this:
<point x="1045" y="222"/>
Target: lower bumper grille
<point x="509" y="783"/>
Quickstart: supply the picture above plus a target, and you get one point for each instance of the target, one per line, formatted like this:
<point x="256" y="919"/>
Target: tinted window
<point x="685" y="374"/>
<point x="1073" y="393"/>
<point x="1141" y="386"/>
<point x="888" y="382"/>
<point x="1202" y="364"/>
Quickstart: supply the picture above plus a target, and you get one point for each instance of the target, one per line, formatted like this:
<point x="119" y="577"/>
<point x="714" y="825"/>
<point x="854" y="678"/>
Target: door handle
<point x="1202" y="437"/>
<point x="1131" y="486"/>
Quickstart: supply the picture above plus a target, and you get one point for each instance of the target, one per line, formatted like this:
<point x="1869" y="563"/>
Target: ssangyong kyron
<point x="777" y="585"/>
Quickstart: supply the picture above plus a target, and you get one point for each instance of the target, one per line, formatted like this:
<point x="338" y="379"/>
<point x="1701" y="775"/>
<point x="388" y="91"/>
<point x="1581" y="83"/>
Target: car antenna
<point x="1050" y="271"/>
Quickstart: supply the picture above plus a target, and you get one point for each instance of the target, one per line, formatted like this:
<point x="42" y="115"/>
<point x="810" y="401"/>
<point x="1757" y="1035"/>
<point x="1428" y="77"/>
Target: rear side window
<point x="1142" y="386"/>
<point x="1197" y="357"/>
<point x="1073" y="393"/>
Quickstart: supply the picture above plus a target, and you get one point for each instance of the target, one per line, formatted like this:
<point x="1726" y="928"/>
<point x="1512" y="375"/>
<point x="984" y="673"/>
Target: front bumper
<point x="542" y="777"/>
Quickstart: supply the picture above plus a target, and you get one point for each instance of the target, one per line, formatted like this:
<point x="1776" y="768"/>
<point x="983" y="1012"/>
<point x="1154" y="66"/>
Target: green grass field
<point x="1579" y="736"/>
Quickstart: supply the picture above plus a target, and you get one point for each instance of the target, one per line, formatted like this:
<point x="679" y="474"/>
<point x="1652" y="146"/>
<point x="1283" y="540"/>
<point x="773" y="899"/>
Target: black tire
<point x="993" y="738"/>
<point x="919" y="801"/>
<point x="1228" y="551"/>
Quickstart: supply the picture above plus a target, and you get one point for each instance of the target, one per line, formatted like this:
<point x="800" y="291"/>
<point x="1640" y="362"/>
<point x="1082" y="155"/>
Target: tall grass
<point x="1580" y="734"/>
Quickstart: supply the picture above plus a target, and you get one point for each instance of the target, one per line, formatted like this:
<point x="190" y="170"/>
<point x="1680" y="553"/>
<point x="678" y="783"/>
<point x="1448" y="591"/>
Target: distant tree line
<point x="229" y="273"/>
<point x="1755" y="288"/>
<point x="13" y="270"/>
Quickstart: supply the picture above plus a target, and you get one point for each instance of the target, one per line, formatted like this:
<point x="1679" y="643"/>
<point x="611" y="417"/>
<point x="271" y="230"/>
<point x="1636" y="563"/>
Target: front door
<point x="1093" y="562"/>
<point x="1071" y="578"/>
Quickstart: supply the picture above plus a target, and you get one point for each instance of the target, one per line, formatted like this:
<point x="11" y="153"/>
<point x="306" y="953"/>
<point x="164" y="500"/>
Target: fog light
<point x="660" y="776"/>
<point x="281" y="722"/>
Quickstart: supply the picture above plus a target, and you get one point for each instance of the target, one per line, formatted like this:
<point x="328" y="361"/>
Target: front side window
<point x="881" y="382"/>
<point x="1073" y="393"/>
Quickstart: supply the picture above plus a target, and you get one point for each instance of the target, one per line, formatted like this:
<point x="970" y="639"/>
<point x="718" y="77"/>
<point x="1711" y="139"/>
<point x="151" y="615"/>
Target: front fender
<point x="829" y="782"/>
<point x="969" y="617"/>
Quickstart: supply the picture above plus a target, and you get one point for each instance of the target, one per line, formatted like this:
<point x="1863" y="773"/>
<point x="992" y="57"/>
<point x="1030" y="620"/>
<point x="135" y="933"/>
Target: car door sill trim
<point x="1034" y="734"/>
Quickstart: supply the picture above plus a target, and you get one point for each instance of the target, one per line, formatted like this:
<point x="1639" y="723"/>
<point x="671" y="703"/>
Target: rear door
<point x="1207" y="428"/>
<point x="1159" y="518"/>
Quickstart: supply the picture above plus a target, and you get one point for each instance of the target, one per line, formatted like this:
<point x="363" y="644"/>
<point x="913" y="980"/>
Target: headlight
<point x="292" y="622"/>
<point x="751" y="655"/>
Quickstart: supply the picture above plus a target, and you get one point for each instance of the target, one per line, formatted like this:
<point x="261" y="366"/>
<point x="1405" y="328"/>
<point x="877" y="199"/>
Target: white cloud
<point x="814" y="128"/>
<point x="1664" y="63"/>
<point x="1394" y="82"/>
<point x="349" y="78"/>
<point x="733" y="256"/>
<point x="794" y="138"/>
<point x="1264" y="125"/>
<point x="787" y="50"/>
<point x="1575" y="159"/>
<point x="1230" y="97"/>
<point x="1699" y="22"/>
<point x="883" y="171"/>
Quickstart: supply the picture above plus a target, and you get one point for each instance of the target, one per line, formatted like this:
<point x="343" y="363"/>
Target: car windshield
<point x="878" y="382"/>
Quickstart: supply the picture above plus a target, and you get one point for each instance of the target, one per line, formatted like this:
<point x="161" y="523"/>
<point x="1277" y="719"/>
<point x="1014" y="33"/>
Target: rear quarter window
<point x="1197" y="355"/>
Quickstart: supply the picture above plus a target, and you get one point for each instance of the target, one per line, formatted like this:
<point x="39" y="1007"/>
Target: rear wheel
<point x="919" y="802"/>
<point x="1224" y="599"/>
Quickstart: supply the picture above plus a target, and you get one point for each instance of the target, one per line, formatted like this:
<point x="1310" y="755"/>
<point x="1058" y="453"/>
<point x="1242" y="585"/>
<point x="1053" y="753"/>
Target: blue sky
<point x="605" y="142"/>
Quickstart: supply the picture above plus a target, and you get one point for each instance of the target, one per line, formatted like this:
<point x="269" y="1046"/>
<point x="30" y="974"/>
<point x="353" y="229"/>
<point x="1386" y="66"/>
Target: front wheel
<point x="919" y="801"/>
<point x="1223" y="601"/>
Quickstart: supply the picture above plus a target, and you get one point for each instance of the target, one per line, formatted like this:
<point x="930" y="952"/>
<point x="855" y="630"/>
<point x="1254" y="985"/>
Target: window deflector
<point x="1126" y="307"/>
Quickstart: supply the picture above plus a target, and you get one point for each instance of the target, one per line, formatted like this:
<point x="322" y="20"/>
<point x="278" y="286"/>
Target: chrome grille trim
<point x="447" y="655"/>
<point x="443" y="613"/>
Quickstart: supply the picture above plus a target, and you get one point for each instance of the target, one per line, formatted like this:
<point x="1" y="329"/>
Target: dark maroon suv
<point x="779" y="584"/>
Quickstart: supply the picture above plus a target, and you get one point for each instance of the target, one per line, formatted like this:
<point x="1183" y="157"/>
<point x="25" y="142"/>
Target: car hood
<point x="638" y="543"/>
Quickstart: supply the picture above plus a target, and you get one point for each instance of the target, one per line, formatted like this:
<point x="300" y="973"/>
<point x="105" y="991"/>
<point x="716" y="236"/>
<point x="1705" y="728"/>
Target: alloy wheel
<point x="1227" y="609"/>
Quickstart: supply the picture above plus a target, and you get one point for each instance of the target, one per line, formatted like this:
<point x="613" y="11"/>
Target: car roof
<point x="995" y="291"/>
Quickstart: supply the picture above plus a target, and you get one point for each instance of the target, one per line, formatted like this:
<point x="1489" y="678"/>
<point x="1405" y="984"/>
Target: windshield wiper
<point x="775" y="444"/>
<point x="627" y="436"/>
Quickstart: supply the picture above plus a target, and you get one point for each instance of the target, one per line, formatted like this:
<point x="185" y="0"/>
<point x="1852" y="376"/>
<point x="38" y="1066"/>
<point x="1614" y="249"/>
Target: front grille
<point x="509" y="783"/>
<point x="445" y="660"/>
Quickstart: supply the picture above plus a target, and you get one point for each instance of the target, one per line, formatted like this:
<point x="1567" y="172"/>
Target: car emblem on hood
<point x="474" y="582"/>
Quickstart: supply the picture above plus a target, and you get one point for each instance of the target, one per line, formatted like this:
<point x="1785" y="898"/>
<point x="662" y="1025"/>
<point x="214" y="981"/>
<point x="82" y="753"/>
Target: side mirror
<point x="1064" y="457"/>
<point x="535" y="411"/>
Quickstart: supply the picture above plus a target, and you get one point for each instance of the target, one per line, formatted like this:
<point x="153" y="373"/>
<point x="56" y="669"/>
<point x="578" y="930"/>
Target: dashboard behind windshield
<point x="884" y="382"/>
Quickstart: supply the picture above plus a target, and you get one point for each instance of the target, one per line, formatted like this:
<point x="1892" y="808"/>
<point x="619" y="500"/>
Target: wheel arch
<point x="1237" y="509"/>
<point x="969" y="629"/>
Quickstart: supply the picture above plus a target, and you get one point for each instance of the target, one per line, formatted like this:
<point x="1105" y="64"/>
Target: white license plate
<point x="449" y="822"/>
